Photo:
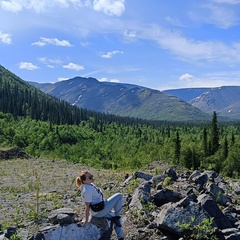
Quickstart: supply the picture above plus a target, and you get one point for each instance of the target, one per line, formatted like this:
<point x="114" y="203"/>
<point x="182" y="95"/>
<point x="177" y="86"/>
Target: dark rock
<point x="172" y="174"/>
<point x="165" y="196"/>
<point x="218" y="194"/>
<point x="212" y="175"/>
<point x="211" y="207"/>
<point x="105" y="226"/>
<point x="173" y="214"/>
<point x="60" y="215"/>
<point x="142" y="193"/>
<point x="15" y="152"/>
<point x="64" y="219"/>
<point x="142" y="175"/>
<point x="200" y="181"/>
<point x="10" y="232"/>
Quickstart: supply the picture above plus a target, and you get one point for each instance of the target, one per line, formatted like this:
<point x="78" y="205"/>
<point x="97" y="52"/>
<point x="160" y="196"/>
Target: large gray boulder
<point x="66" y="232"/>
<point x="218" y="194"/>
<point x="143" y="176"/>
<point x="62" y="227"/>
<point x="211" y="207"/>
<point x="172" y="174"/>
<point x="173" y="215"/>
<point x="165" y="196"/>
<point x="199" y="180"/>
<point x="140" y="195"/>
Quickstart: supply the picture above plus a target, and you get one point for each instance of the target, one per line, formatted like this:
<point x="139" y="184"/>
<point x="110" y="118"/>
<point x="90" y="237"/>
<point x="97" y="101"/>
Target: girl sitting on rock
<point x="96" y="205"/>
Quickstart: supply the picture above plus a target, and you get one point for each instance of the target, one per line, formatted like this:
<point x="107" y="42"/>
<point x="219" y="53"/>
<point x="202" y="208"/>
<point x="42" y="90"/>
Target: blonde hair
<point x="81" y="178"/>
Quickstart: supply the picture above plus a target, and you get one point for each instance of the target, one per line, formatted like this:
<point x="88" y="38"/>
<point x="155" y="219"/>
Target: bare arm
<point x="87" y="210"/>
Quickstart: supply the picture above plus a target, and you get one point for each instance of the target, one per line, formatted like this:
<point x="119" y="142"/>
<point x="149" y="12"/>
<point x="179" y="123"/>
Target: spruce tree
<point x="177" y="148"/>
<point x="214" y="138"/>
<point x="205" y="142"/>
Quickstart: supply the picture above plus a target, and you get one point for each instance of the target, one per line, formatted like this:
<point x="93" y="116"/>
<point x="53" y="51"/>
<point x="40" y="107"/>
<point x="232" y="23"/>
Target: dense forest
<point x="47" y="127"/>
<point x="114" y="145"/>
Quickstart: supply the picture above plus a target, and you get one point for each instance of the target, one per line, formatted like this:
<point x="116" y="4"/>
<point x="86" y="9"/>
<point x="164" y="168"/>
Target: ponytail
<point x="79" y="180"/>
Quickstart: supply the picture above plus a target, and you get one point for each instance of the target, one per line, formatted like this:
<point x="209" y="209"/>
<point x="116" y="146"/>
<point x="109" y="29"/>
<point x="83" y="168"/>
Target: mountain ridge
<point x="224" y="100"/>
<point x="123" y="99"/>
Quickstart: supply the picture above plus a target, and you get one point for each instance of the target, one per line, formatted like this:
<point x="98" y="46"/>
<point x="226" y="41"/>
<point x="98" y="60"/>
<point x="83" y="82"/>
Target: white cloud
<point x="175" y="21"/>
<point x="5" y="38"/>
<point x="130" y="36"/>
<point x="74" y="66"/>
<point x="212" y="79"/>
<point x="222" y="16"/>
<point x="39" y="6"/>
<point x="110" y="54"/>
<point x="110" y="7"/>
<point x="27" y="65"/>
<point x="189" y="49"/>
<point x="11" y="6"/>
<point x="187" y="77"/>
<point x="51" y="63"/>
<point x="50" y="66"/>
<point x="53" y="41"/>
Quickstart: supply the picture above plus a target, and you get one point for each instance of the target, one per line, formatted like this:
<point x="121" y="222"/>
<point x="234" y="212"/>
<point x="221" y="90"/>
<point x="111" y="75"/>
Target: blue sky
<point x="160" y="44"/>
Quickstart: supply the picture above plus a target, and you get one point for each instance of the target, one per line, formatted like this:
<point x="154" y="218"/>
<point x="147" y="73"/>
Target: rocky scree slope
<point x="159" y="201"/>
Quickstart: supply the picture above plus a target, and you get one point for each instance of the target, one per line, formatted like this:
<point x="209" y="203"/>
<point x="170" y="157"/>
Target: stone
<point x="71" y="231"/>
<point x="211" y="207"/>
<point x="165" y="196"/>
<point x="140" y="193"/>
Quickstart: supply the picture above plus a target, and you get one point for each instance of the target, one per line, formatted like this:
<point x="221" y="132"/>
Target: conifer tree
<point x="205" y="142"/>
<point x="225" y="148"/>
<point x="177" y="148"/>
<point x="214" y="138"/>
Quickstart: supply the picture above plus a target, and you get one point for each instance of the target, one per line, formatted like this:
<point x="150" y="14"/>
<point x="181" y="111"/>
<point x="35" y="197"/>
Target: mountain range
<point x="188" y="104"/>
<point x="225" y="100"/>
<point x="129" y="100"/>
<point x="123" y="100"/>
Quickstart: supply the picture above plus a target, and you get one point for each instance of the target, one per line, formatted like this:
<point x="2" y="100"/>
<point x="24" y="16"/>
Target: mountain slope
<point x="123" y="99"/>
<point x="187" y="94"/>
<point x="22" y="99"/>
<point x="224" y="100"/>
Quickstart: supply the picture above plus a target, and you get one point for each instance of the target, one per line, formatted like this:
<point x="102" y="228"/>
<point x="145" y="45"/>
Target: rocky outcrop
<point x="66" y="232"/>
<point x="187" y="201"/>
<point x="12" y="153"/>
<point x="63" y="226"/>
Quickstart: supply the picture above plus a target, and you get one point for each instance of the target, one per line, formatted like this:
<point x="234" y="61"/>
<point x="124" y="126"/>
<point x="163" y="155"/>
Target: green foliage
<point x="202" y="231"/>
<point x="120" y="146"/>
<point x="142" y="217"/>
<point x="214" y="137"/>
<point x="177" y="148"/>
<point x="15" y="237"/>
<point x="167" y="181"/>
